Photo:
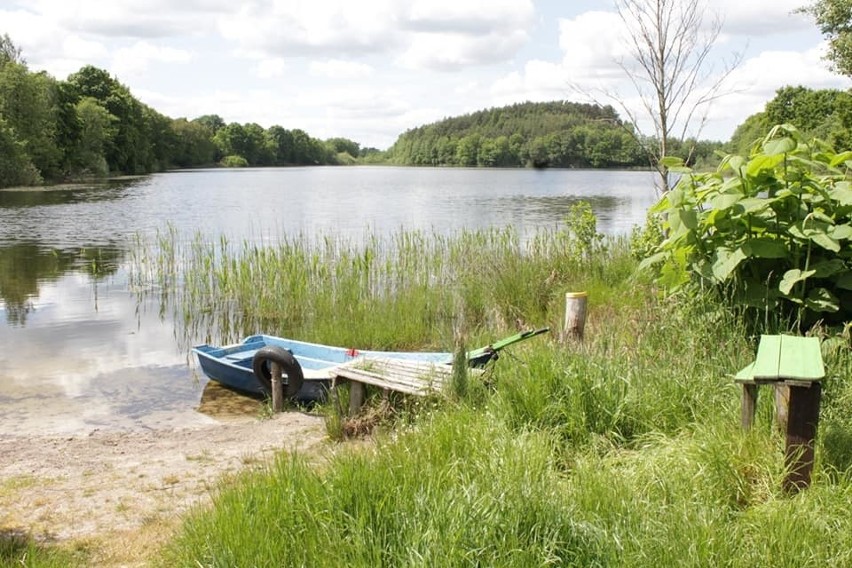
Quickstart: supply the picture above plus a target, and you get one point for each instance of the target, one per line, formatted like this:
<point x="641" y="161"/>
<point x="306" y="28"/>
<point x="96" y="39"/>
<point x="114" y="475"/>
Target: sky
<point x="371" y="69"/>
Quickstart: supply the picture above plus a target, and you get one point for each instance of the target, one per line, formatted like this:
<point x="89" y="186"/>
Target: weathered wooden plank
<point x="800" y="359"/>
<point x="410" y="377"/>
<point x="802" y="421"/>
<point x="768" y="358"/>
<point x="745" y="375"/>
<point x="749" y="403"/>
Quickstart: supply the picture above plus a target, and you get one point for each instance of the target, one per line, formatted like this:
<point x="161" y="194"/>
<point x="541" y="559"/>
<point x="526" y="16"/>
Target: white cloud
<point x="340" y="69"/>
<point x="438" y="34"/>
<point x="452" y="51"/>
<point x="269" y="68"/>
<point x="755" y="82"/>
<point x="147" y="19"/>
<point x="135" y="59"/>
<point x="283" y="28"/>
<point x="750" y="18"/>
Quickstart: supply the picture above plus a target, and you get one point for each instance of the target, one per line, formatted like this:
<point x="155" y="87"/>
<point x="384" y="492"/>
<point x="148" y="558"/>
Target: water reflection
<point x="25" y="266"/>
<point x="68" y="193"/>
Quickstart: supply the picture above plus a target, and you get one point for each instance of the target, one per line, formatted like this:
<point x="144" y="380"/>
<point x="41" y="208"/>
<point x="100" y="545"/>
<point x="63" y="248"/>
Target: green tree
<point x="824" y="114"/>
<point x="26" y="104"/>
<point x="467" y="151"/>
<point x="15" y="166"/>
<point x="341" y="145"/>
<point x="193" y="144"/>
<point x="9" y="52"/>
<point x="97" y="130"/>
<point x="834" y="18"/>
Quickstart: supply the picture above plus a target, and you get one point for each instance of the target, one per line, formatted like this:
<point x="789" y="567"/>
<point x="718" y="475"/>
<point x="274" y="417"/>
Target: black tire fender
<point x="292" y="375"/>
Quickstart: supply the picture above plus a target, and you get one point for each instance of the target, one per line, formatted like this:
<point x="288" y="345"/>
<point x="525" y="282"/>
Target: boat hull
<point x="231" y="365"/>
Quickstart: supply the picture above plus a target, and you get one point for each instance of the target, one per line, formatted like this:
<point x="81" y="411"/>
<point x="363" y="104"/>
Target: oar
<point x="481" y="356"/>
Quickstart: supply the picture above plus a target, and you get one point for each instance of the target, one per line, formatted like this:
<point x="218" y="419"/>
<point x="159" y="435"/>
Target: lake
<point x="83" y="351"/>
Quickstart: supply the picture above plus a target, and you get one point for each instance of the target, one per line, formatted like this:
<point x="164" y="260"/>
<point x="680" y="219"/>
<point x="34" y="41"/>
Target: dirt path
<point x="120" y="493"/>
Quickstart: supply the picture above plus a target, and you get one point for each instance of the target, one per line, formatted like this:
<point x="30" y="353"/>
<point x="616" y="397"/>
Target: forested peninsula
<point x="550" y="134"/>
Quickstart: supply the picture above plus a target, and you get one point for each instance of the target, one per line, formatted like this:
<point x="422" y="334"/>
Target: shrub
<point x="772" y="230"/>
<point x="234" y="161"/>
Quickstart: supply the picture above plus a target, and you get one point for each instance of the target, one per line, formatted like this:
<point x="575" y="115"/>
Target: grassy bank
<point x="625" y="451"/>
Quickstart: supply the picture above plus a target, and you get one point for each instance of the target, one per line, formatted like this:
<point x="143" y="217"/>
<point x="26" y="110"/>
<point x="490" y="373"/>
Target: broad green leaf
<point x="779" y="146"/>
<point x="841" y="232"/>
<point x="821" y="300"/>
<point x="689" y="218"/>
<point x="737" y="162"/>
<point x="763" y="162"/>
<point x="676" y="197"/>
<point x="725" y="201"/>
<point x="842" y="193"/>
<point x="757" y="294"/>
<point x="840" y="158"/>
<point x="726" y="262"/>
<point x="791" y="278"/>
<point x="828" y="268"/>
<point x="797" y="232"/>
<point x="823" y="240"/>
<point x="844" y="281"/>
<point x="652" y="260"/>
<point x="765" y="247"/>
<point x="754" y="204"/>
<point x="679" y="170"/>
<point x="671" y="162"/>
<point x="820" y="216"/>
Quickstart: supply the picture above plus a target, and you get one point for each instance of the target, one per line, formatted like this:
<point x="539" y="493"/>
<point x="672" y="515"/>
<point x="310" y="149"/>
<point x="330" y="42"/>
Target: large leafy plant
<point x="773" y="230"/>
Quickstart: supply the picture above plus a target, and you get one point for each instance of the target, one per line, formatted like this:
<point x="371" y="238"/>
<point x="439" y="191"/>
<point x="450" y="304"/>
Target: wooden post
<point x="277" y="388"/>
<point x="802" y="419"/>
<point x="748" y="405"/>
<point x="782" y="405"/>
<point x="357" y="394"/>
<point x="575" y="316"/>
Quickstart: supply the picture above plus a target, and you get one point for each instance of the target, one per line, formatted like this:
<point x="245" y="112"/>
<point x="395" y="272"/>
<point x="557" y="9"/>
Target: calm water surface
<point x="81" y="351"/>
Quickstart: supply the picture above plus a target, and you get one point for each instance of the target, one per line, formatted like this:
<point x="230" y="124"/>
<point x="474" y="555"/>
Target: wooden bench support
<point x="793" y="366"/>
<point x="410" y="377"/>
<point x="802" y="420"/>
<point x="749" y="404"/>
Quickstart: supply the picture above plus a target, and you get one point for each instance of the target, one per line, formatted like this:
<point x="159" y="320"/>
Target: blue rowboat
<point x="245" y="366"/>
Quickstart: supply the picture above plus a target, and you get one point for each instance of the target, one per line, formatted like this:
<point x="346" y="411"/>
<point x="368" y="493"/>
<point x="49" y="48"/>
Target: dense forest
<point x="91" y="125"/>
<point x="825" y="114"/>
<point x="550" y="134"/>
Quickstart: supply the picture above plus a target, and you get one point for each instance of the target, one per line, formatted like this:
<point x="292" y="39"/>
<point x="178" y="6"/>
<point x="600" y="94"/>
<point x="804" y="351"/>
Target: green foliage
<point x="581" y="227"/>
<point x="234" y="161"/>
<point x="773" y="230"/>
<point x="825" y="114"/>
<point x="834" y="18"/>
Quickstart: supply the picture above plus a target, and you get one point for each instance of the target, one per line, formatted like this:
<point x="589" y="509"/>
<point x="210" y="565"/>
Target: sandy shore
<point x="118" y="491"/>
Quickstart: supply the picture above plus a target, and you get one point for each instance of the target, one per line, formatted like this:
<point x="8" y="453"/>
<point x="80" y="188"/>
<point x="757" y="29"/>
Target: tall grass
<point x="18" y="549"/>
<point x="624" y="450"/>
<point x="459" y="490"/>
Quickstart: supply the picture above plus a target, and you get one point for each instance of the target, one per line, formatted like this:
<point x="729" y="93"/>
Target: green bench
<point x="793" y="365"/>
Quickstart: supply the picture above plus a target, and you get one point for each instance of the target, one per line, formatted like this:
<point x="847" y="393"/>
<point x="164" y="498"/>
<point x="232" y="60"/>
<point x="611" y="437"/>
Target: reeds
<point x="396" y="292"/>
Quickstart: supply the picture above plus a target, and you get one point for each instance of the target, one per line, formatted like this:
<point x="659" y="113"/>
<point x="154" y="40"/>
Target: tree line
<point x="544" y="134"/>
<point x="91" y="125"/>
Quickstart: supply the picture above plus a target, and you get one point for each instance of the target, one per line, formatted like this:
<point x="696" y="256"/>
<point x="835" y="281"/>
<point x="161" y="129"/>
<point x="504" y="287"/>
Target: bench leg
<point x="802" y="419"/>
<point x="357" y="394"/>
<point x="748" y="405"/>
